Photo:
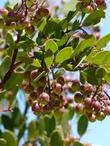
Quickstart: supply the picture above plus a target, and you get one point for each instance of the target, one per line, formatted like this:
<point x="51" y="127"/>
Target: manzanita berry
<point x="99" y="2"/>
<point x="57" y="88"/>
<point x="88" y="89"/>
<point x="36" y="108"/>
<point x="75" y="85"/>
<point x="96" y="105"/>
<point x="3" y="12"/>
<point x="44" y="97"/>
<point x="107" y="110"/>
<point x="78" y="97"/>
<point x="88" y="101"/>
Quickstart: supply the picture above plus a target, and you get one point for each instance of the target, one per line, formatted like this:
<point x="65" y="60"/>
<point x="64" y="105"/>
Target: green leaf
<point x="10" y="138"/>
<point x="64" y="55"/>
<point x="3" y="142"/>
<point x="27" y="44"/>
<point x="82" y="125"/>
<point x="14" y="81"/>
<point x="53" y="27"/>
<point x="16" y="117"/>
<point x="91" y="79"/>
<point x="82" y="77"/>
<point x="43" y="141"/>
<point x="71" y="15"/>
<point x="29" y="3"/>
<point x="101" y="58"/>
<point x="100" y="72"/>
<point x="62" y="41"/>
<point x="51" y="45"/>
<point x="9" y="39"/>
<point x="41" y="125"/>
<point x="50" y="48"/>
<point x="36" y="63"/>
<point x="50" y="123"/>
<point x="71" y="113"/>
<point x="9" y="124"/>
<point x="22" y="130"/>
<point x="107" y="78"/>
<point x="56" y="138"/>
<point x="77" y="143"/>
<point x="32" y="130"/>
<point x="5" y="65"/>
<point x="88" y="42"/>
<point x="65" y="119"/>
<point x="48" y="58"/>
<point x="102" y="42"/>
<point x="94" y="18"/>
<point x="75" y="25"/>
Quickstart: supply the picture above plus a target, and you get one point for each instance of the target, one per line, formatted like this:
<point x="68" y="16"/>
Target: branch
<point x="6" y="109"/>
<point x="107" y="94"/>
<point x="84" y="31"/>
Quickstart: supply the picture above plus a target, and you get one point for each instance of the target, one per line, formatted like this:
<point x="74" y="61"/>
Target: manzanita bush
<point x="40" y="53"/>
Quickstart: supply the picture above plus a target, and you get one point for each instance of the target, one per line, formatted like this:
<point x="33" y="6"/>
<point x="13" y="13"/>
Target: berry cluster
<point x="44" y="94"/>
<point x="88" y="6"/>
<point x="23" y="16"/>
<point x="92" y="101"/>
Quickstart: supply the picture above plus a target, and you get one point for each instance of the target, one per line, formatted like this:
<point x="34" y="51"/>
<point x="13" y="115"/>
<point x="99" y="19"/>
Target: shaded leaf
<point x="32" y="130"/>
<point x="9" y="124"/>
<point x="56" y="138"/>
<point x="100" y="72"/>
<point x="82" y="125"/>
<point x="48" y="58"/>
<point x="50" y="123"/>
<point x="14" y="81"/>
<point x="71" y="15"/>
<point x="77" y="143"/>
<point x="94" y="18"/>
<point x="75" y="25"/>
<point x="91" y="79"/>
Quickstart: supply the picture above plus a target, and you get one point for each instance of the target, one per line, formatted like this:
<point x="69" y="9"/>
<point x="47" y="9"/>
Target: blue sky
<point x="98" y="132"/>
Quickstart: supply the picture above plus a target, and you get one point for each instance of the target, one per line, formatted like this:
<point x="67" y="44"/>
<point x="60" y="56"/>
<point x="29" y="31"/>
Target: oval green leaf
<point x="10" y="138"/>
<point x="82" y="125"/>
<point x="94" y="18"/>
<point x="3" y="142"/>
<point x="64" y="55"/>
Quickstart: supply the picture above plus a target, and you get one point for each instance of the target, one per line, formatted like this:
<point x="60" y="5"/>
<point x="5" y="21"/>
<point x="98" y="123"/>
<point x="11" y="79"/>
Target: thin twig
<point x="107" y="94"/>
<point x="84" y="31"/>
